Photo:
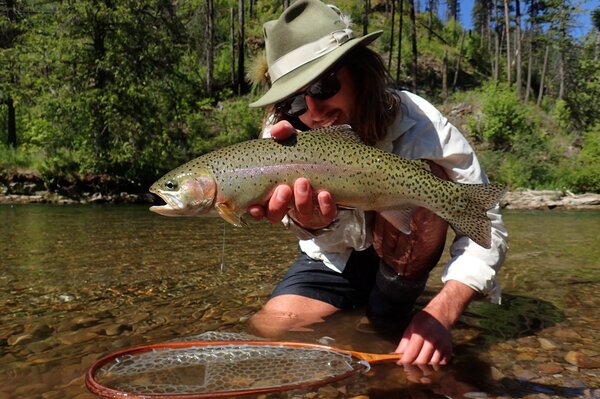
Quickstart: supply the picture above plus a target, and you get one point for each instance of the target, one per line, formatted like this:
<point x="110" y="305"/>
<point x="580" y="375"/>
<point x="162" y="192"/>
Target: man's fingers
<point x="303" y="200"/>
<point x="327" y="205"/>
<point x="425" y="354"/>
<point x="282" y="130"/>
<point x="278" y="204"/>
<point x="257" y="212"/>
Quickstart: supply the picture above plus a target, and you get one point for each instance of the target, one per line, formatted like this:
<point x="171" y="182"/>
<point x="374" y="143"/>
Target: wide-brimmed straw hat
<point x="307" y="39"/>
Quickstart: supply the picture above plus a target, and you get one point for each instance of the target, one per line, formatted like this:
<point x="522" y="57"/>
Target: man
<point x="320" y="75"/>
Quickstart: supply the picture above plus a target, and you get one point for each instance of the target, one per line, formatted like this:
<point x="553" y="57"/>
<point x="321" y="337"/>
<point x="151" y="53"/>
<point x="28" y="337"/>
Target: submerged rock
<point x="582" y="361"/>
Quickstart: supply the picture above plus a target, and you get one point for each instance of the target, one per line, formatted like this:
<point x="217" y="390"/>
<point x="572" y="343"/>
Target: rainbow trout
<point x="230" y="179"/>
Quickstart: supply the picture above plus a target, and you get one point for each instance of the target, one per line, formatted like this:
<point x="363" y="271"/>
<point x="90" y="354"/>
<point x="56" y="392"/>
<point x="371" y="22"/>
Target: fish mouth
<point x="173" y="205"/>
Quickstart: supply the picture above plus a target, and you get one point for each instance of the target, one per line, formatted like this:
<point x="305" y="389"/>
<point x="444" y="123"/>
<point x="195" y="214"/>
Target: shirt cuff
<point x="476" y="274"/>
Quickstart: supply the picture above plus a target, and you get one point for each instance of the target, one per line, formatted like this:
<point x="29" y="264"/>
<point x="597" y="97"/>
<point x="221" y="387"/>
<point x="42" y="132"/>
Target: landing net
<point x="201" y="369"/>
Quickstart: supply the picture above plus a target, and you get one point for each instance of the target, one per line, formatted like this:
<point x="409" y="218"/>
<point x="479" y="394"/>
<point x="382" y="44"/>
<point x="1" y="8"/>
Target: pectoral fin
<point x="229" y="215"/>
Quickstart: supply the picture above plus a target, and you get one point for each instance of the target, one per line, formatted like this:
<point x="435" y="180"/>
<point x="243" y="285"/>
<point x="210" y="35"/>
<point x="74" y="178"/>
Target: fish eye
<point x="171" y="185"/>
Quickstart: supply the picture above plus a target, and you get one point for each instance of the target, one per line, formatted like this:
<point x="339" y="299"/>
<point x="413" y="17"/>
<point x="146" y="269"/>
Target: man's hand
<point x="306" y="211"/>
<point x="427" y="339"/>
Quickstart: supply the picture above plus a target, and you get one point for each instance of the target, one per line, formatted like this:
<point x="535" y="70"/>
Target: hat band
<point x="308" y="52"/>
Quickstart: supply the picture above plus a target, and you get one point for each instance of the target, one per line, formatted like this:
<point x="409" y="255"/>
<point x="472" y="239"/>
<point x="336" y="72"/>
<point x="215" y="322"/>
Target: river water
<point x="79" y="282"/>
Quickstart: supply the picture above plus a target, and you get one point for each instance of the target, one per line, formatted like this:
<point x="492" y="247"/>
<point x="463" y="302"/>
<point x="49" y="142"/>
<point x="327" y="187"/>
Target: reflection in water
<point x="517" y="316"/>
<point x="79" y="282"/>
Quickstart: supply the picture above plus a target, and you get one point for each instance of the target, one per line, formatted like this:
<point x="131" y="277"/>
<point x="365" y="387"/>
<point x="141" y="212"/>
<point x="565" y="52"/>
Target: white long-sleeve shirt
<point x="421" y="132"/>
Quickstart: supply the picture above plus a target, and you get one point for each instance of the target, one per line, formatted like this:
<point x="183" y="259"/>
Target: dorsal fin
<point x="342" y="131"/>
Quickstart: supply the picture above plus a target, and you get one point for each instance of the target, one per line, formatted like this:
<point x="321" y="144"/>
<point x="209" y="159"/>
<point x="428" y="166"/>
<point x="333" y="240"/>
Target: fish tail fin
<point x="470" y="214"/>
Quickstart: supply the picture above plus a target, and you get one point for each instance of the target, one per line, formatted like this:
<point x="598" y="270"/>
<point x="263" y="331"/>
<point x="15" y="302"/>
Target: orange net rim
<point x="100" y="390"/>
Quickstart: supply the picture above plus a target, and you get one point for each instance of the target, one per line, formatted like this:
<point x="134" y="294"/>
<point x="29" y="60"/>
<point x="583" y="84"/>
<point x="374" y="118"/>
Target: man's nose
<point x="315" y="107"/>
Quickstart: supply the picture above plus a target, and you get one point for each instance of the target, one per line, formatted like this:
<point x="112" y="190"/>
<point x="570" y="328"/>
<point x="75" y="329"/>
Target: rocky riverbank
<point x="27" y="188"/>
<point x="549" y="199"/>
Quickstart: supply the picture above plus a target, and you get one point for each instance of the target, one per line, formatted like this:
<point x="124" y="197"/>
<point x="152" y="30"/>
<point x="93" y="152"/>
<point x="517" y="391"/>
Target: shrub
<point x="583" y="175"/>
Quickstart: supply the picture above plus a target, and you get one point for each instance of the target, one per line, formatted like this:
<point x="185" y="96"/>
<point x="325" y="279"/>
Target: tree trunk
<point x="543" y="76"/>
<point x="531" y="34"/>
<point x="496" y="67"/>
<point x="529" y="64"/>
<point x="11" y="137"/>
<point x="508" y="50"/>
<point x="232" y="39"/>
<point x="462" y="43"/>
<point x="430" y="20"/>
<point x="392" y="35"/>
<point x="562" y="73"/>
<point x="366" y="17"/>
<point x="488" y="30"/>
<point x="445" y="76"/>
<point x="400" y="19"/>
<point x="241" y="82"/>
<point x="562" y="56"/>
<point x="210" y="46"/>
<point x="518" y="62"/>
<point x="413" y="27"/>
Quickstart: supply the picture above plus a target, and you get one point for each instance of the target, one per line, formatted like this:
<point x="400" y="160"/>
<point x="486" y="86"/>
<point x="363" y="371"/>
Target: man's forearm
<point x="450" y="302"/>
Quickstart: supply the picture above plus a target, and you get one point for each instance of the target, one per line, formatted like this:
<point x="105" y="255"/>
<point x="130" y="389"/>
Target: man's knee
<point x="285" y="313"/>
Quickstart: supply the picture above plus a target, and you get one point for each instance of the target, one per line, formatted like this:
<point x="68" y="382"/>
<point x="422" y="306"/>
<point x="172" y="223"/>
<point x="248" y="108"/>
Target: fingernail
<point x="281" y="196"/>
<point x="302" y="187"/>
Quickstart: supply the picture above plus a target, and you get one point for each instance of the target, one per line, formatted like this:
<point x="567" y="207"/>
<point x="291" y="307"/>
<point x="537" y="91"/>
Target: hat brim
<point x="309" y="72"/>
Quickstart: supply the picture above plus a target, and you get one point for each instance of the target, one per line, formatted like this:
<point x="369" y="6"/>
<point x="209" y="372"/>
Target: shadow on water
<point x="516" y="317"/>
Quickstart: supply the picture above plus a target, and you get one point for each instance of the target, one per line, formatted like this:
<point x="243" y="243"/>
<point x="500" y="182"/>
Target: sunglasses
<point x="324" y="88"/>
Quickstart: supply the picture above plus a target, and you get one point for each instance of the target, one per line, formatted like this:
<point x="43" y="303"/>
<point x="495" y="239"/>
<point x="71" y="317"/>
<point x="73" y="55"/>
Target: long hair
<point x="376" y="104"/>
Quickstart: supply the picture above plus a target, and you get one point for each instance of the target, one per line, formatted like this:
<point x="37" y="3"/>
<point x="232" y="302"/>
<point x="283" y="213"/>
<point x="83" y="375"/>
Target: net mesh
<point x="222" y="368"/>
<point x="218" y="336"/>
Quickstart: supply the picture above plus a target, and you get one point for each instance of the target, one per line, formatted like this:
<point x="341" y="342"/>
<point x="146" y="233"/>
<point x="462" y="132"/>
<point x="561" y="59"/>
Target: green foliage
<point x="562" y="114"/>
<point x="12" y="158"/>
<point x="518" y="151"/>
<point x="230" y="122"/>
<point x="584" y="98"/>
<point x="505" y="122"/>
<point x="582" y="174"/>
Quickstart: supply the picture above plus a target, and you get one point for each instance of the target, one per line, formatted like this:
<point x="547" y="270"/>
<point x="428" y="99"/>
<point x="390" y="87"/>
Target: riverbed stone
<point x="40" y="331"/>
<point x="550" y="368"/>
<point x="20" y="339"/>
<point x="566" y="333"/>
<point x="41" y="346"/>
<point x="116" y="329"/>
<point x="582" y="361"/>
<point x="526" y="356"/>
<point x="76" y="337"/>
<point x="547" y="344"/>
<point x="525" y="375"/>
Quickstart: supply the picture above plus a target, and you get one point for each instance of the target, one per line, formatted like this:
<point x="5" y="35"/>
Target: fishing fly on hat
<point x="307" y="39"/>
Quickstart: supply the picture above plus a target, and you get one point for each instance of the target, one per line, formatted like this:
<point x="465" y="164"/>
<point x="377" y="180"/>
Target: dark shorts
<point x="347" y="290"/>
<point x="365" y="281"/>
